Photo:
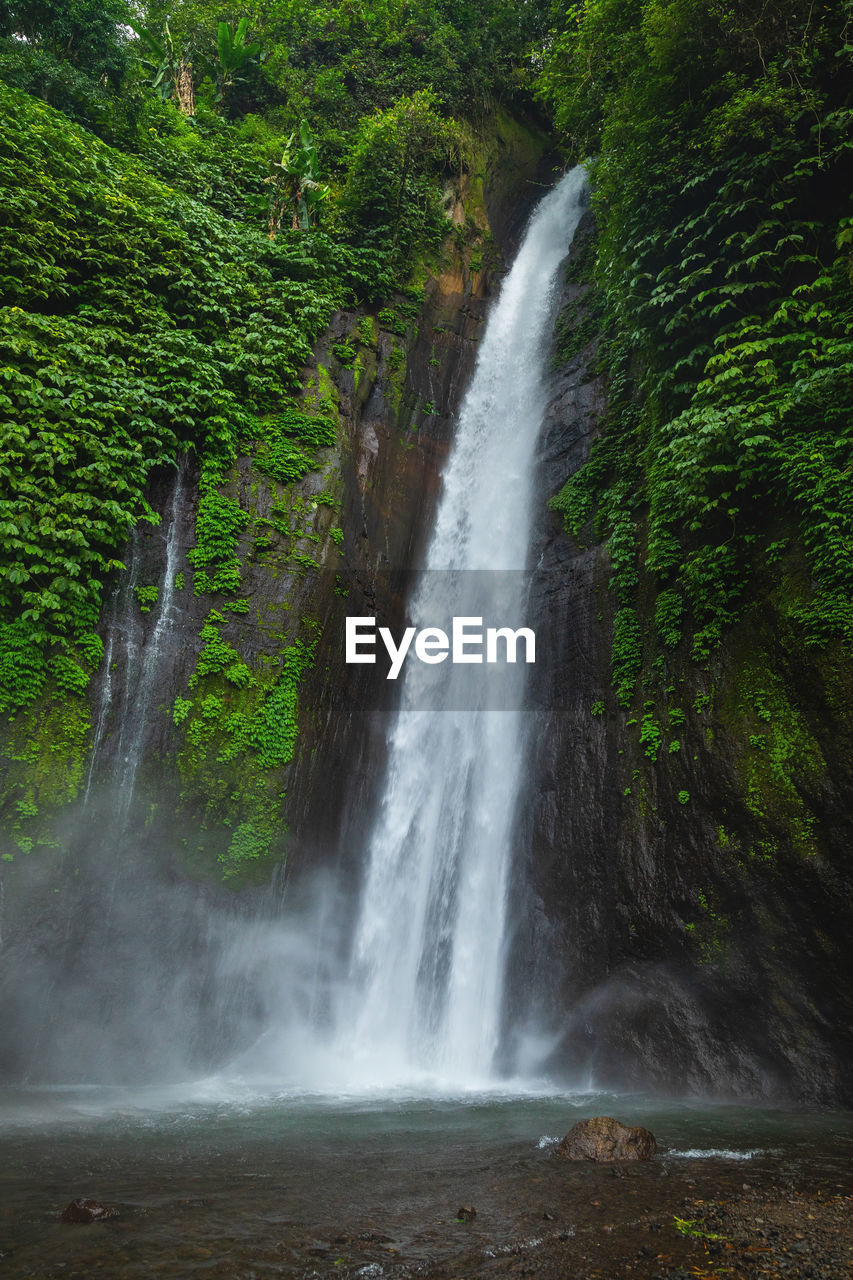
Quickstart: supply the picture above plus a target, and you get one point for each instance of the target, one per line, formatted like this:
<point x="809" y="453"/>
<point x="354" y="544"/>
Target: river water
<point x="215" y="1180"/>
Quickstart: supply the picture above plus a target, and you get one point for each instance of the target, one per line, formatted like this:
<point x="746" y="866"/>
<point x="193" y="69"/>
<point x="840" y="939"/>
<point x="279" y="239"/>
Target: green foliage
<point x="146" y="597"/>
<point x="148" y="314"/>
<point x="689" y="1226"/>
<point x="367" y="331"/>
<point x="650" y="736"/>
<point x="296" y="181"/>
<point x="275" y="732"/>
<point x="627" y="654"/>
<point x="138" y="323"/>
<point x="344" y="353"/>
<point x="390" y="192"/>
<point x="170" y="64"/>
<point x="669" y="609"/>
<point x="722" y="139"/>
<point x="241" y="723"/>
<point x="577" y="326"/>
<point x="234" y="53"/>
<point x="289" y="444"/>
<point x="782" y="762"/>
<point x="249" y="844"/>
<point x="392" y="322"/>
<point x="217" y="656"/>
<point x="71" y="53"/>
<point x="218" y="524"/>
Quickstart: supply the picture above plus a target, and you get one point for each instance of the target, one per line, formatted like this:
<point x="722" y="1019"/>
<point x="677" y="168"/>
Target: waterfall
<point x="424" y="995"/>
<point x="141" y="658"/>
<point x="144" y="661"/>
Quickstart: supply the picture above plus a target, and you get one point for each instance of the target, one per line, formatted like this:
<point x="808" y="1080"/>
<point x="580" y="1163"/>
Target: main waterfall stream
<point x="429" y="945"/>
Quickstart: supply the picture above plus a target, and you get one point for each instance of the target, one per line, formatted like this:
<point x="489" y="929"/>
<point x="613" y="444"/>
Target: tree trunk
<point x="184" y="91"/>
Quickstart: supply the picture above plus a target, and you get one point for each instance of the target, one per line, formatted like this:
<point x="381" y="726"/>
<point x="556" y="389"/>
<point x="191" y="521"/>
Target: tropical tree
<point x="171" y="70"/>
<point x="296" y="182"/>
<point x="84" y="33"/>
<point x="395" y="159"/>
<point x="234" y="55"/>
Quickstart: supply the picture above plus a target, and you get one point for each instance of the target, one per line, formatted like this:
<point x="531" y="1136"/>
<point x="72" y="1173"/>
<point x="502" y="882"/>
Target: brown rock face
<point x="603" y="1138"/>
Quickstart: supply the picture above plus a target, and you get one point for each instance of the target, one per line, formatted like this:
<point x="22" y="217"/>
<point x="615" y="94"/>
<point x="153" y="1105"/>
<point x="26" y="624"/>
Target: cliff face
<point x="686" y="861"/>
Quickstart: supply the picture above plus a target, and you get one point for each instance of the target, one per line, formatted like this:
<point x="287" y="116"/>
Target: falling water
<point x="142" y="657"/>
<point x="427" y="968"/>
<point x="133" y="725"/>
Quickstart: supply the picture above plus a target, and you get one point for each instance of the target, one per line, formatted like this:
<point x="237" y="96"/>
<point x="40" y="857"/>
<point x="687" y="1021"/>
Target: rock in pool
<point x="603" y="1138"/>
<point x="87" y="1211"/>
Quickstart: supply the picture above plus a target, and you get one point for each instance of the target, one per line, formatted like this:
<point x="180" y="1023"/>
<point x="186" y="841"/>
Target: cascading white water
<point x="428" y="956"/>
<point x="142" y="658"/>
<point x="147" y="659"/>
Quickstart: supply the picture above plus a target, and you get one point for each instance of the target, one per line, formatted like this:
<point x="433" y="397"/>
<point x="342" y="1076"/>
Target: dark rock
<point x="603" y="1138"/>
<point x="466" y="1213"/>
<point x="87" y="1211"/>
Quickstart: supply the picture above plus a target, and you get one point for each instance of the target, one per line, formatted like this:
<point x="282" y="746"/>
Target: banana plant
<point x="171" y="71"/>
<point x="296" y="182"/>
<point x="234" y="54"/>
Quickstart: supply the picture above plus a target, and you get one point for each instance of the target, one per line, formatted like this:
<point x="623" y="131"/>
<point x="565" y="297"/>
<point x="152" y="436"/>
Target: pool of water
<point x="218" y="1179"/>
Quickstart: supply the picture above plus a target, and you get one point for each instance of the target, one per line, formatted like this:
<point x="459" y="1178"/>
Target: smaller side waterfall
<point x="147" y="660"/>
<point x="122" y="719"/>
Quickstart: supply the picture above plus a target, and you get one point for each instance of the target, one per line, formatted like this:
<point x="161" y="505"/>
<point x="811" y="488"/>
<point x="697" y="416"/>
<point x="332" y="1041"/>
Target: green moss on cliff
<point x="44" y="759"/>
<point x="238" y="735"/>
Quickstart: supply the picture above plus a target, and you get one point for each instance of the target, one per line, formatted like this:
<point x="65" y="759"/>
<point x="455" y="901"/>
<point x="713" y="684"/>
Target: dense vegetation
<point x="188" y="192"/>
<point x="720" y="140"/>
<point x="164" y="291"/>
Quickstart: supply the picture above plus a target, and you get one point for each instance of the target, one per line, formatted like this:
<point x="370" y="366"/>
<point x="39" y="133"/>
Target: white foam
<point x="717" y="1153"/>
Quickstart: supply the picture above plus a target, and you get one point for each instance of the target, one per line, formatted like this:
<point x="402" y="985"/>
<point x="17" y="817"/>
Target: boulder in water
<point x="87" y="1211"/>
<point x="603" y="1138"/>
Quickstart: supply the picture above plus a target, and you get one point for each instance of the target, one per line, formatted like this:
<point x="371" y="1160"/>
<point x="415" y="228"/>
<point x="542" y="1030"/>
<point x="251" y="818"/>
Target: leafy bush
<point x="138" y="323"/>
<point x="723" y="277"/>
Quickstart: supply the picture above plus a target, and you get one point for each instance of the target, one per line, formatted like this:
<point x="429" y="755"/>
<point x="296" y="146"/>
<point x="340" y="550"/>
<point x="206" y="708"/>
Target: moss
<point x="396" y="376"/>
<point x="44" y="757"/>
<point x="713" y="930"/>
<point x="368" y="331"/>
<point x="778" y="762"/>
<point x="237" y="737"/>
